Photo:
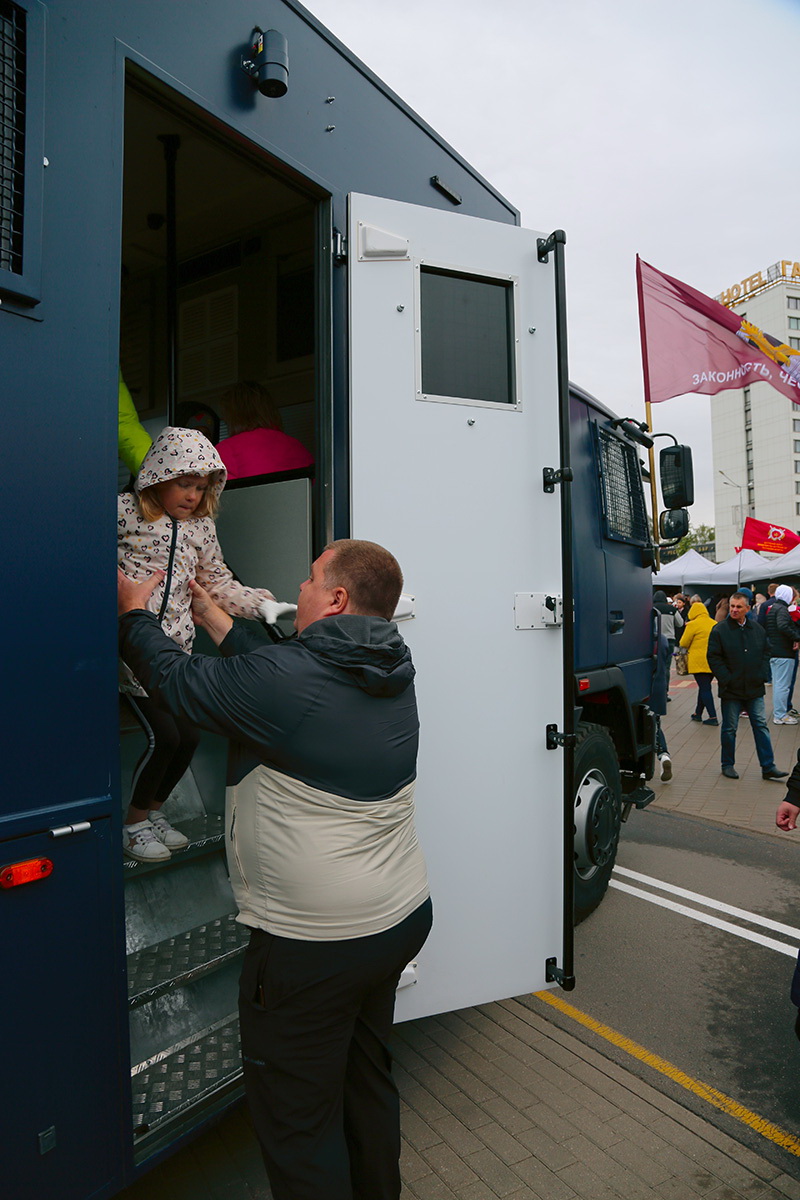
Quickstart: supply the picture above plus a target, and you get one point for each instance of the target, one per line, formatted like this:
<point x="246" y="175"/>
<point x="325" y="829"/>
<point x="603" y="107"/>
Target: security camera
<point x="267" y="62"/>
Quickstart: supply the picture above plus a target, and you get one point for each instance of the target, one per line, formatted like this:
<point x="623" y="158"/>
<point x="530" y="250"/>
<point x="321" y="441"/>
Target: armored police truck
<point x="197" y="200"/>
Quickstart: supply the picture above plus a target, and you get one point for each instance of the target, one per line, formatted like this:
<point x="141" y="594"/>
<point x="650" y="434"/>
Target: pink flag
<point x="691" y="343"/>
<point x="774" y="539"/>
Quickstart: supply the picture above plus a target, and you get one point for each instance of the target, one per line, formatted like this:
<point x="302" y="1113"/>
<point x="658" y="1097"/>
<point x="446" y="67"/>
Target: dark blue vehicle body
<point x="612" y="559"/>
<point x="64" y="1012"/>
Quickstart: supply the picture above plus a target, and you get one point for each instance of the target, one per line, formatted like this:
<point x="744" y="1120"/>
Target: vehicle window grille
<point x="12" y="134"/>
<point x="621" y="484"/>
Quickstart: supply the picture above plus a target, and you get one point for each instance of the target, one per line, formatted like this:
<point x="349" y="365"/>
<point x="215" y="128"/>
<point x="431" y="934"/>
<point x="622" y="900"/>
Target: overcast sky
<point x="664" y="129"/>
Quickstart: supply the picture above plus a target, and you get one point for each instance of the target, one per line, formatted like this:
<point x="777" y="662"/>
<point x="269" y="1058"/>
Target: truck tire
<point x="598" y="814"/>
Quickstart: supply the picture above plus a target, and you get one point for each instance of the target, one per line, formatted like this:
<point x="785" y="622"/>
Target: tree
<point x="699" y="536"/>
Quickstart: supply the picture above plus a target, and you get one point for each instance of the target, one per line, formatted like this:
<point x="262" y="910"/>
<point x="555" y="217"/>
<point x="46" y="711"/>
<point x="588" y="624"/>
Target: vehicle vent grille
<point x="623" y="499"/>
<point x="12" y="134"/>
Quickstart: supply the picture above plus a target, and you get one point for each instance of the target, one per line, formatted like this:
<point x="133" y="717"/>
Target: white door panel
<point x="453" y="487"/>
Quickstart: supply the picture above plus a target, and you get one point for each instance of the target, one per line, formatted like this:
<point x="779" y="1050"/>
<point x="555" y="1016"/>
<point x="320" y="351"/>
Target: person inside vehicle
<point x="256" y="444"/>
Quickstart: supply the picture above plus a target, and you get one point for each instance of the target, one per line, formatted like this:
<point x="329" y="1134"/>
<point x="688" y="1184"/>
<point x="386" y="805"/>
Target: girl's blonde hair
<point x="152" y="509"/>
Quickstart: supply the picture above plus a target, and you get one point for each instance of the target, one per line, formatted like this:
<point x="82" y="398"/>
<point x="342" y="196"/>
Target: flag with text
<point x="691" y="343"/>
<point x="767" y="538"/>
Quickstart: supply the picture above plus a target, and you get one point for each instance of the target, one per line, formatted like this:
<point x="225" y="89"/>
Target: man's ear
<point x="339" y="601"/>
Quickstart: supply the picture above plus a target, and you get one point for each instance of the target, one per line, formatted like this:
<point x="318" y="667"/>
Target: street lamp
<point x="727" y="479"/>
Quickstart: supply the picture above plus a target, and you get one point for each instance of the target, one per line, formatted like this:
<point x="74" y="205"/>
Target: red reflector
<point x="25" y="872"/>
<point x="583" y="685"/>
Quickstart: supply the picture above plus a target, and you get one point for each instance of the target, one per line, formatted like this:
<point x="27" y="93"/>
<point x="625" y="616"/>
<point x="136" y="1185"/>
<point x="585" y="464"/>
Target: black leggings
<point x="171" y="743"/>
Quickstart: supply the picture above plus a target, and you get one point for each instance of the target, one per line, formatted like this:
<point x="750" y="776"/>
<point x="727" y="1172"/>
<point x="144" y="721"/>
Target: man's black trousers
<point x="316" y="1018"/>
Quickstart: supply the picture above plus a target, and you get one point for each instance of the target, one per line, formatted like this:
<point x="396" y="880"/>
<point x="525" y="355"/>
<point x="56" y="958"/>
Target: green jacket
<point x="132" y="438"/>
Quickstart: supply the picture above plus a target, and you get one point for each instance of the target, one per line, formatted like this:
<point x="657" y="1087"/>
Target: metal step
<point x="204" y="833"/>
<point x="188" y="1074"/>
<point x="177" y="960"/>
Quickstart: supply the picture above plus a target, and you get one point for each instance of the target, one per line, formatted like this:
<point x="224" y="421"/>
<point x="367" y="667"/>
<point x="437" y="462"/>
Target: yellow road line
<point x="773" y="1132"/>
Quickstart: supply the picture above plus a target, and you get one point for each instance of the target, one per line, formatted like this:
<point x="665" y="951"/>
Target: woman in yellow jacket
<point x="695" y="640"/>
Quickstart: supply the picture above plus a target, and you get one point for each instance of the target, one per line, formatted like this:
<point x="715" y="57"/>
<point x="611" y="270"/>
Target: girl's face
<point x="180" y="497"/>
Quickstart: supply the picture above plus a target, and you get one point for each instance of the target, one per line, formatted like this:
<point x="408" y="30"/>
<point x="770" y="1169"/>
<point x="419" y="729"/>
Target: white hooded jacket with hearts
<point x="184" y="549"/>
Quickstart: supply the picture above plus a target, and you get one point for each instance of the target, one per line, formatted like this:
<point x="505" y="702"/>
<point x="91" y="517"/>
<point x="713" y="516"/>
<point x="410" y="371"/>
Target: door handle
<point x="616" y="622"/>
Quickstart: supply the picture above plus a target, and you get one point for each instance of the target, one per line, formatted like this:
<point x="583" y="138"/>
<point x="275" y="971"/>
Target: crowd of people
<point x="750" y="641"/>
<point x="744" y="642"/>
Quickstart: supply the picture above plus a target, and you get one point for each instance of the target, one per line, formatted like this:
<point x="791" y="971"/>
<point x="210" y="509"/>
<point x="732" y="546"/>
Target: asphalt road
<point x="713" y="1004"/>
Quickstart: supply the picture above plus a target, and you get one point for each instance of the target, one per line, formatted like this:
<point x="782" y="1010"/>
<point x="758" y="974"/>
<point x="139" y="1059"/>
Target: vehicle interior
<point x="226" y="291"/>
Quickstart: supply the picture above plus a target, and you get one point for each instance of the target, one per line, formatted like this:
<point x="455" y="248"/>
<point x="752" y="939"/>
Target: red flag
<point x="774" y="539"/>
<point x="691" y="343"/>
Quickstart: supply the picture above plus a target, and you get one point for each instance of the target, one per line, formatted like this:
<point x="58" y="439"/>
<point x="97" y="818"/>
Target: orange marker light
<point x="25" y="872"/>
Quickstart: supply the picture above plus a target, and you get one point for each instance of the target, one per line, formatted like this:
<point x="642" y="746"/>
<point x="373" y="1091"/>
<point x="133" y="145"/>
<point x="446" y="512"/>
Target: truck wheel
<point x="598" y="812"/>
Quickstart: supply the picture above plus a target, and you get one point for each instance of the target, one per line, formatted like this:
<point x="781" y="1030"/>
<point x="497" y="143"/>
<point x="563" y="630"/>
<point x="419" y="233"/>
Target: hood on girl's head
<point x="785" y="593"/>
<point x="177" y="452"/>
<point x="697" y="610"/>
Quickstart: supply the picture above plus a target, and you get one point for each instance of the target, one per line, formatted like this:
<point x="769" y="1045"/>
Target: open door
<point x="454" y="415"/>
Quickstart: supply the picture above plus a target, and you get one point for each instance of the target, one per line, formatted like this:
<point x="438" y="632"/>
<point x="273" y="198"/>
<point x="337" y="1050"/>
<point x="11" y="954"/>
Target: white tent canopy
<point x="745" y="567"/>
<point x="786" y="564"/>
<point x="691" y="567"/>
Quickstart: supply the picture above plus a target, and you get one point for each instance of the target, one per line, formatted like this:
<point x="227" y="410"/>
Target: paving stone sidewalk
<point x="500" y="1103"/>
<point x="698" y="789"/>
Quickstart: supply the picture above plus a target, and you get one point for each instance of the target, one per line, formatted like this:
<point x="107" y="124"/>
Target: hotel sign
<point x="785" y="269"/>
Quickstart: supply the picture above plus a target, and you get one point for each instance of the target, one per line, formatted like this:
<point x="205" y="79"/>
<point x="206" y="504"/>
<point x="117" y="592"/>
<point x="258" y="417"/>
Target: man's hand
<point x="208" y="615"/>
<point x="132" y="595"/>
<point x="786" y="816"/>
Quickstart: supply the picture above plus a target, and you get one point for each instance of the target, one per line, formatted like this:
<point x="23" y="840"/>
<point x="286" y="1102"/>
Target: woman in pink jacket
<point x="257" y="445"/>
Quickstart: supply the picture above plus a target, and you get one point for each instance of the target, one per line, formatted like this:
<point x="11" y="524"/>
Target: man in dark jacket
<point x="781" y="639"/>
<point x="324" y="861"/>
<point x="738" y="656"/>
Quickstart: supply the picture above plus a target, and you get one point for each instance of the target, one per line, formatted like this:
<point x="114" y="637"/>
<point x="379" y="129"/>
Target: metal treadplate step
<point x="204" y="834"/>
<point x="189" y="1073"/>
<point x="177" y="960"/>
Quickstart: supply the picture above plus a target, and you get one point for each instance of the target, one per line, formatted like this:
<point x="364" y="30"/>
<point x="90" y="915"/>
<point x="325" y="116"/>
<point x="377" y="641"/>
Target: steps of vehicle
<point x="177" y="960"/>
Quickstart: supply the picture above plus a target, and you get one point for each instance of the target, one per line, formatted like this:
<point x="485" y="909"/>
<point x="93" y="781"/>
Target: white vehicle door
<point x="454" y="415"/>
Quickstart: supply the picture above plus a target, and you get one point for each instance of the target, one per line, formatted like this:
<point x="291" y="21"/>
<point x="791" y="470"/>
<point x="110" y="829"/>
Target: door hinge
<point x="339" y="248"/>
<point x="68" y="830"/>
<point x="551" y="477"/>
<point x="554" y="974"/>
<point x="556" y="739"/>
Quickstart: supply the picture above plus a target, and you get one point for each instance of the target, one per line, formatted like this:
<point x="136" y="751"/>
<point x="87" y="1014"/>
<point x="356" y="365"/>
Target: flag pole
<point x="648" y="410"/>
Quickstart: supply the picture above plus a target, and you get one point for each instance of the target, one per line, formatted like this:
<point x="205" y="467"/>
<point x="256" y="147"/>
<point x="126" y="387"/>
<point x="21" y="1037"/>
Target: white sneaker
<point x="666" y="767"/>
<point x="787" y="720"/>
<point x="173" y="839"/>
<point x="139" y="841"/>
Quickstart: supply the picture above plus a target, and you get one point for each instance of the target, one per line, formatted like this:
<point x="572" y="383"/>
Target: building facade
<point x="755" y="431"/>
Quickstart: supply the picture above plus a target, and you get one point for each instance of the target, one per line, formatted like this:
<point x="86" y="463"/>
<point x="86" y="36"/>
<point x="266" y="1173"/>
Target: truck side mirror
<point x="677" y="476"/>
<point x="673" y="524"/>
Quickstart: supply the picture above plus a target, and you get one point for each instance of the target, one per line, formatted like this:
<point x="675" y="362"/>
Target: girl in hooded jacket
<point x="167" y="523"/>
<point x="695" y="639"/>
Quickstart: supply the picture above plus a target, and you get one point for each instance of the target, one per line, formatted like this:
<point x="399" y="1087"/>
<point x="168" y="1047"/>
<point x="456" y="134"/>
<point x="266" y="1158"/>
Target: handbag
<point x="682" y="661"/>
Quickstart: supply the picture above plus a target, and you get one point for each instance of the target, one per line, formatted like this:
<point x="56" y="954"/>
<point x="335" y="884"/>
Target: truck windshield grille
<point x="12" y="134"/>
<point x="624" y="509"/>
